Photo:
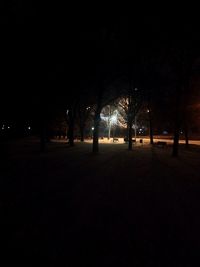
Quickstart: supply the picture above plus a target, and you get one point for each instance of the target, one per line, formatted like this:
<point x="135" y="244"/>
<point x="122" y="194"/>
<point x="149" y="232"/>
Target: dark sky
<point x="49" y="49"/>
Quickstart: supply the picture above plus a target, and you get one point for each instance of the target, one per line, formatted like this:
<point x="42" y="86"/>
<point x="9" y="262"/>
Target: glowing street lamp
<point x="92" y="132"/>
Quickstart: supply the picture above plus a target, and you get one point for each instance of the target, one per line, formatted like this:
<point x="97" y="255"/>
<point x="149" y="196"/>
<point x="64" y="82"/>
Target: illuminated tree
<point x="110" y="116"/>
<point x="130" y="104"/>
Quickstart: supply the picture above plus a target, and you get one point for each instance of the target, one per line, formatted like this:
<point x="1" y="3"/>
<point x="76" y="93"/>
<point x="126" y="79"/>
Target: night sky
<point x="50" y="51"/>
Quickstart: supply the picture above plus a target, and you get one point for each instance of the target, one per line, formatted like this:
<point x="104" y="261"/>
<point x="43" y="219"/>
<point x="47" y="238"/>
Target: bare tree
<point x="97" y="120"/>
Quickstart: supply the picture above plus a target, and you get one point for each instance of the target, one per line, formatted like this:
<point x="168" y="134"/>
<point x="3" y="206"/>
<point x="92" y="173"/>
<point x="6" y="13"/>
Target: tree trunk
<point x="130" y="133"/>
<point x="176" y="143"/>
<point x="97" y="119"/>
<point x="96" y="133"/>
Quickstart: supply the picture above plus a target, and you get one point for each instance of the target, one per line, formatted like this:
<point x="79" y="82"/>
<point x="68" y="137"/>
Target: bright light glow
<point x="87" y="108"/>
<point x="3" y="127"/>
<point x="113" y="119"/>
<point x="8" y="127"/>
<point x="67" y="112"/>
<point x="92" y="128"/>
<point x="29" y="127"/>
<point x="148" y="110"/>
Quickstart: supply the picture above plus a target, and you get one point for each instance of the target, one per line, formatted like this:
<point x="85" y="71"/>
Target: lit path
<point x="145" y="141"/>
<point x="170" y="141"/>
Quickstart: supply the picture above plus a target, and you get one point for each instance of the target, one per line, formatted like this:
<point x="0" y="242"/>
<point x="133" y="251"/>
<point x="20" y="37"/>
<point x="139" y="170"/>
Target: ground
<point x="115" y="208"/>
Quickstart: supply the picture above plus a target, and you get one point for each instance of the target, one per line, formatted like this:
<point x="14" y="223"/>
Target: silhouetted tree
<point x="97" y="118"/>
<point x="183" y="61"/>
<point x="134" y="104"/>
<point x="84" y="109"/>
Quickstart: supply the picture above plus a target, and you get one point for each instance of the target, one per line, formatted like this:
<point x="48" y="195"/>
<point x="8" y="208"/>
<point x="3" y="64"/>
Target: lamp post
<point x="92" y="132"/>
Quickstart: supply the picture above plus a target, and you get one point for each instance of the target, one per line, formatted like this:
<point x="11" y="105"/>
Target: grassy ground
<point x="117" y="208"/>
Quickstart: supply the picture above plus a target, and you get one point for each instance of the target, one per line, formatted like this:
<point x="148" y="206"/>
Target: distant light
<point x="29" y="127"/>
<point x="8" y="127"/>
<point x="67" y="111"/>
<point x="92" y="128"/>
<point x="136" y="89"/>
<point x="88" y="108"/>
<point x="3" y="127"/>
<point x="148" y="110"/>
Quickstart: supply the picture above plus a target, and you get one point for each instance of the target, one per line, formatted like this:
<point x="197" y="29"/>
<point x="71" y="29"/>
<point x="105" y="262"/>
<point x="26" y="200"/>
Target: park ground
<point x="115" y="208"/>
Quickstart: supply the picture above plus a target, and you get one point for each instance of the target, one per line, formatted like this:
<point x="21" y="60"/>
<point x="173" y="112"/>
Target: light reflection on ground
<point x="121" y="141"/>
